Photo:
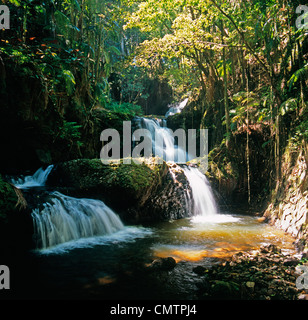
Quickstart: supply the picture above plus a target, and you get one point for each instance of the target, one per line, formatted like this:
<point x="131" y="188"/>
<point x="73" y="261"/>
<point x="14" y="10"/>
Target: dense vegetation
<point x="70" y="68"/>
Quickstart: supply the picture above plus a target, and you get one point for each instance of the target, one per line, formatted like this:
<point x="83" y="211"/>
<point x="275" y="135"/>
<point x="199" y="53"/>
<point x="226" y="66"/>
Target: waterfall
<point x="177" y="108"/>
<point x="163" y="141"/>
<point x="202" y="203"/>
<point x="167" y="149"/>
<point x="37" y="180"/>
<point x="66" y="218"/>
<point x="203" y="200"/>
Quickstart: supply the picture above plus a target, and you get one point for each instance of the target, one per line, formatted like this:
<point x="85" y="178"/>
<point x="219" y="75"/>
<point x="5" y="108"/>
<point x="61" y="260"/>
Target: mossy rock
<point x="221" y="170"/>
<point x="8" y="200"/>
<point x="120" y="185"/>
<point x="225" y="290"/>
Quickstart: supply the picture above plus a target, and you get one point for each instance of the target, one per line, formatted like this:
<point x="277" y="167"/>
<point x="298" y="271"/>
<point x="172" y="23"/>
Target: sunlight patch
<point x="217" y="218"/>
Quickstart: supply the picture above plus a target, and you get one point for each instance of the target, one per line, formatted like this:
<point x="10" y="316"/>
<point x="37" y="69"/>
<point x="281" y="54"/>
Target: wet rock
<point x="292" y="261"/>
<point x="199" y="270"/>
<point x="250" y="285"/>
<point x="225" y="290"/>
<point x="270" y="248"/>
<point x="264" y="274"/>
<point x="170" y="202"/>
<point x="163" y="264"/>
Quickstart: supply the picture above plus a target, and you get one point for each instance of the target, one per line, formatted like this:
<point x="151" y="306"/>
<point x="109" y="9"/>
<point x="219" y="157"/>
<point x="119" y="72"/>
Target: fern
<point x="297" y="75"/>
<point x="69" y="81"/>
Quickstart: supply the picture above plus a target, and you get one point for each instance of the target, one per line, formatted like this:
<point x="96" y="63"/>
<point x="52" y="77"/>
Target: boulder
<point x="124" y="187"/>
<point x="225" y="290"/>
<point x="171" y="201"/>
<point x="137" y="192"/>
<point x="163" y="264"/>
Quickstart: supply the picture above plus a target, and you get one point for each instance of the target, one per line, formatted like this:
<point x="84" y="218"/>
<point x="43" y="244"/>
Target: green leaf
<point x="114" y="50"/>
<point x="69" y="81"/>
<point x="288" y="106"/>
<point x="299" y="74"/>
<point x="15" y="2"/>
<point x="266" y="143"/>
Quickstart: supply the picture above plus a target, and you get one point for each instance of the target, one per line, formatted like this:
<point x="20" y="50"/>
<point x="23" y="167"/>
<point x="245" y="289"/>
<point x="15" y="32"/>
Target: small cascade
<point x="37" y="180"/>
<point x="203" y="200"/>
<point x="65" y="219"/>
<point x="167" y="149"/>
<point x="163" y="142"/>
<point x="203" y="204"/>
<point x="177" y="108"/>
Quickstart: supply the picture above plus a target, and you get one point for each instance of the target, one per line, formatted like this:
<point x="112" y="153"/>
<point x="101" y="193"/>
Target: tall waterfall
<point x="66" y="218"/>
<point x="202" y="203"/>
<point x="37" y="180"/>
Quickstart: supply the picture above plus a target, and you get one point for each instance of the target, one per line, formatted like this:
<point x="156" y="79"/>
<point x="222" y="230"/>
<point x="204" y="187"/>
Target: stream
<point x="84" y="251"/>
<point x="113" y="267"/>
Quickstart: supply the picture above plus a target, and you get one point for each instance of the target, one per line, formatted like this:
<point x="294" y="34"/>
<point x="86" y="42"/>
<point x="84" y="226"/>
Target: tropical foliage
<point x="247" y="60"/>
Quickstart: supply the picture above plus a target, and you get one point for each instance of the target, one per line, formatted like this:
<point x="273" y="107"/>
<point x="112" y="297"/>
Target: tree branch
<point x="264" y="66"/>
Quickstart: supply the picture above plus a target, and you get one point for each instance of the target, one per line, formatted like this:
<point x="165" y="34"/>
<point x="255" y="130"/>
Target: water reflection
<point x="114" y="267"/>
<point x="221" y="237"/>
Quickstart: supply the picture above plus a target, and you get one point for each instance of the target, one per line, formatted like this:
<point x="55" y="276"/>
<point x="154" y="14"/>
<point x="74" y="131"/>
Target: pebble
<point x="265" y="274"/>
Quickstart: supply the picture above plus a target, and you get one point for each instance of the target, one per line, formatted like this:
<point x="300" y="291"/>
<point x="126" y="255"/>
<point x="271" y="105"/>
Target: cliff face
<point x="288" y="209"/>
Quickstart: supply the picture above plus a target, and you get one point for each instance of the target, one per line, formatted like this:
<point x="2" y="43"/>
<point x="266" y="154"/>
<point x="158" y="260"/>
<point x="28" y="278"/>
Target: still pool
<point x="115" y="267"/>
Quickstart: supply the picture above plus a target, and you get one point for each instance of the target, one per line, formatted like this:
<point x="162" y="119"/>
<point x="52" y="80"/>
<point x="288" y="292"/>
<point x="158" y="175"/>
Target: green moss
<point x="127" y="183"/>
<point x="8" y="200"/>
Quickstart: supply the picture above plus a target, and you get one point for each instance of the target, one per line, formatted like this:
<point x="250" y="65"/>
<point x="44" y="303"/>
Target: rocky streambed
<point x="269" y="273"/>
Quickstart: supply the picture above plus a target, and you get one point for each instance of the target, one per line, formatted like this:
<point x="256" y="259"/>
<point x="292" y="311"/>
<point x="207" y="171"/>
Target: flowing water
<point x="85" y="251"/>
<point x="37" y="180"/>
<point x="163" y="141"/>
<point x="178" y="108"/>
<point x="67" y="218"/>
<point x="114" y="266"/>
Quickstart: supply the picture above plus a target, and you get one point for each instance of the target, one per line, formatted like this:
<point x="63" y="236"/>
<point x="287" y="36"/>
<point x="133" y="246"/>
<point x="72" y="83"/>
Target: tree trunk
<point x="225" y="79"/>
<point x="226" y="102"/>
<point x="247" y="149"/>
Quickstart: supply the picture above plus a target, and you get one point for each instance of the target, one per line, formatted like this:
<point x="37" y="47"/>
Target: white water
<point x="66" y="223"/>
<point x="176" y="109"/>
<point x="37" y="180"/>
<point x="163" y="141"/>
<point x="204" y="205"/>
<point x="67" y="218"/>
<point x="204" y="202"/>
<point x="167" y="148"/>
